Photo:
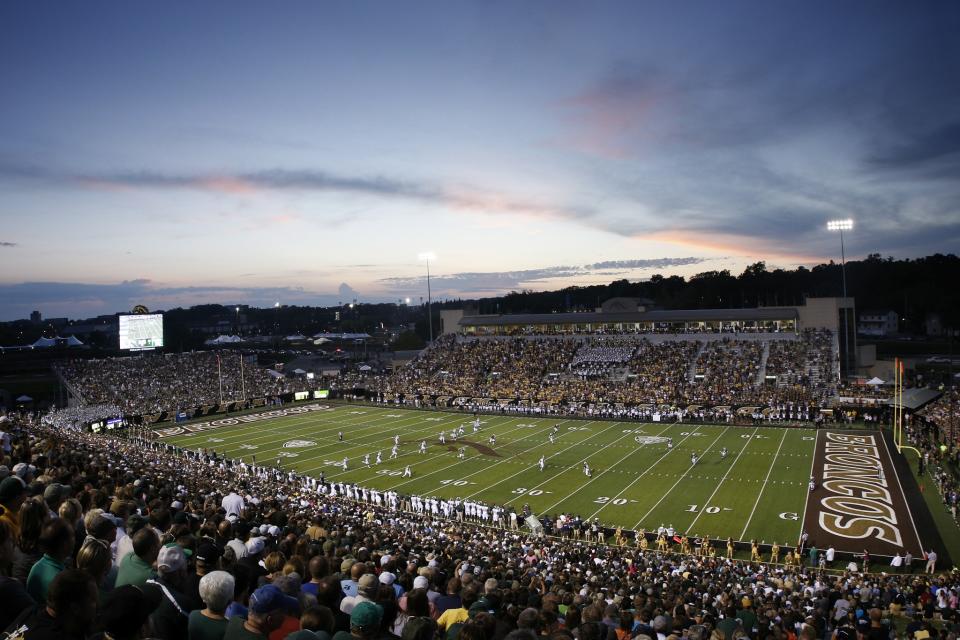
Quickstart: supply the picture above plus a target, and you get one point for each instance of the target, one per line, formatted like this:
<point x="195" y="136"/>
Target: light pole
<point x="428" y="256"/>
<point x="841" y="226"/>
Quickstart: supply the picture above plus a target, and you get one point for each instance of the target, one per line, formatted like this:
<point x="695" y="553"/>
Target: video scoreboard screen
<point x="141" y="332"/>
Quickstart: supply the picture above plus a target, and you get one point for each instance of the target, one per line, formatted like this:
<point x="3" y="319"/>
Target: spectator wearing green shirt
<point x="137" y="567"/>
<point x="56" y="542"/>
<point x="216" y="591"/>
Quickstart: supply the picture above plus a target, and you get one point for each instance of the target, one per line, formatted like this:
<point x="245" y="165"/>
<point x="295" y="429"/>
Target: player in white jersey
<point x="476" y="424"/>
<point x="344" y="463"/>
<point x="462" y="453"/>
<point x="380" y="457"/>
<point x="394" y="452"/>
<point x="443" y="438"/>
<point x="396" y="439"/>
<point x="552" y="439"/>
<point x="423" y="446"/>
<point x="693" y="459"/>
<point x="587" y="471"/>
<point x="542" y="463"/>
<point x="366" y="460"/>
<point x="406" y="472"/>
<point x="723" y="453"/>
<point x="669" y="443"/>
<point x="461" y="430"/>
<point x="340" y="435"/>
<point x="492" y="439"/>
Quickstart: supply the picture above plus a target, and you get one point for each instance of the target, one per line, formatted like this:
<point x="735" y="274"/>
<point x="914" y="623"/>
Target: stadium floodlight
<point x="841" y="226"/>
<point x="427" y="256"/>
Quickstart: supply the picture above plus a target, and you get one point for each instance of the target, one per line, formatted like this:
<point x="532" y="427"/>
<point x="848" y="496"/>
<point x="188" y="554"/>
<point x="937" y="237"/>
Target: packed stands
<point x="783" y="370"/>
<point x="133" y="538"/>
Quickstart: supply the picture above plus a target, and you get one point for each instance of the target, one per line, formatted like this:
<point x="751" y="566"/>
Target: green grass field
<point x="758" y="491"/>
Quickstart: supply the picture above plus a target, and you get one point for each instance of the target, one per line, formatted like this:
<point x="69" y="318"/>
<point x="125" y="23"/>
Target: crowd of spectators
<point x="622" y="370"/>
<point x="944" y="412"/>
<point x="107" y="538"/>
<point x="154" y="383"/>
<point x="81" y="415"/>
<point x="556" y="375"/>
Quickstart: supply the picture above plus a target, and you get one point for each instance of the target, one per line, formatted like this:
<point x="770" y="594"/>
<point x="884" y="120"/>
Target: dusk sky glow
<point x="177" y="153"/>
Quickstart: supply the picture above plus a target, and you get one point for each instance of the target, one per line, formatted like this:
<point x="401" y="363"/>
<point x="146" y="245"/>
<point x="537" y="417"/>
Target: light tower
<point x="427" y="256"/>
<point x="841" y="226"/>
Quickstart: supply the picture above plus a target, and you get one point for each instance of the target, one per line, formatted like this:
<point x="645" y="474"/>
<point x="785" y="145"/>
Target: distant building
<point x="877" y="323"/>
<point x="35" y="317"/>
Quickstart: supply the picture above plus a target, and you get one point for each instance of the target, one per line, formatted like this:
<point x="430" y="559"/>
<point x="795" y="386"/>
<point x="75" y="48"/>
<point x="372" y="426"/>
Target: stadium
<point x="574" y="451"/>
<point x="472" y="320"/>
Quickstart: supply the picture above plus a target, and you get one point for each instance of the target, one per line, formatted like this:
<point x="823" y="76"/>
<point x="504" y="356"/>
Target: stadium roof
<point x="679" y="315"/>
<point x="915" y="398"/>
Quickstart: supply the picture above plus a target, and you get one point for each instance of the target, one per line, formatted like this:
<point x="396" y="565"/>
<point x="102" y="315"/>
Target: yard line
<point x="374" y="438"/>
<point x="670" y="490"/>
<point x="806" y="501"/>
<point x="236" y="433"/>
<point x="573" y="466"/>
<point x="275" y="437"/>
<point x="607" y="470"/>
<point x="648" y="470"/>
<point x="484" y="469"/>
<point x="760" y="494"/>
<point x="422" y="460"/>
<point x="720" y="484"/>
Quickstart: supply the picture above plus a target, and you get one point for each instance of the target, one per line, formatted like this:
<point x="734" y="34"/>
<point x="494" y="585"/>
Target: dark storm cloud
<point x="935" y="154"/>
<point x="7" y="244"/>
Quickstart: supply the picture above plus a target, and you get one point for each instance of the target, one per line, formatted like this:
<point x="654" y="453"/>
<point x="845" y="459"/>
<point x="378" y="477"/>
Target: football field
<point x="759" y="490"/>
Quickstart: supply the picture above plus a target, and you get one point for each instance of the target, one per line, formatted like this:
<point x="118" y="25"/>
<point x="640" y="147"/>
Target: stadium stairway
<point x="692" y="372"/>
<point x="762" y="369"/>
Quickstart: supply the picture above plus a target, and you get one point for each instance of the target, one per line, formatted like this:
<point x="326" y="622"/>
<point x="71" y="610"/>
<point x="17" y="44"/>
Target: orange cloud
<point x="227" y="184"/>
<point x="729" y="243"/>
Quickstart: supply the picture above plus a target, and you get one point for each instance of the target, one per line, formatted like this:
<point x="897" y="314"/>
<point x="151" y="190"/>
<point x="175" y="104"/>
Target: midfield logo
<point x="298" y="444"/>
<point x="650" y="439"/>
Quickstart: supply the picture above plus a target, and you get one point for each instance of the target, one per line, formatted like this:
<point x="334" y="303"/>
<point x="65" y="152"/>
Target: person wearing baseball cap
<point x="367" y="587"/>
<point x="268" y="606"/>
<point x="170" y="618"/>
<point x="364" y="622"/>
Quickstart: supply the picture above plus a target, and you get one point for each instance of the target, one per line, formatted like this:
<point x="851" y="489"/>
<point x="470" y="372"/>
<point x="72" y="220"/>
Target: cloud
<point x="8" y="244"/>
<point x="934" y="153"/>
<point x="81" y="300"/>
<point x="453" y="197"/>
<point x="498" y="282"/>
<point x="347" y="292"/>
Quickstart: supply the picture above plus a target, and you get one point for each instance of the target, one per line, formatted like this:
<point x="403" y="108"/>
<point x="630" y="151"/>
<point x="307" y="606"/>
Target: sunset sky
<point x="176" y="153"/>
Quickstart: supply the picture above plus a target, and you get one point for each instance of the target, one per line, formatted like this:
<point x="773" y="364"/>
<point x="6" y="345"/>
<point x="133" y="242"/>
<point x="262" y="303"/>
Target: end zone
<point x="859" y="502"/>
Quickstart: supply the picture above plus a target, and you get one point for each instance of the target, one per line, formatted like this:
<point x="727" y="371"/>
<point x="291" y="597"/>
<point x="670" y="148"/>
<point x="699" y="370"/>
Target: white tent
<point x="299" y="372"/>
<point x="366" y="367"/>
<point x="24" y="398"/>
<point x="295" y="338"/>
<point x="274" y="373"/>
<point x="874" y="382"/>
<point x="223" y="340"/>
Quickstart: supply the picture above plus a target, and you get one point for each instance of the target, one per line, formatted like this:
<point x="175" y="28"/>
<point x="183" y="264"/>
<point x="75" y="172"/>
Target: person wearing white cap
<point x="170" y="618"/>
<point x="389" y="579"/>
